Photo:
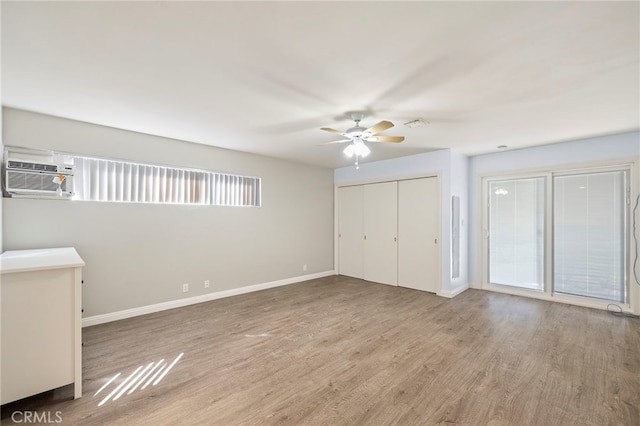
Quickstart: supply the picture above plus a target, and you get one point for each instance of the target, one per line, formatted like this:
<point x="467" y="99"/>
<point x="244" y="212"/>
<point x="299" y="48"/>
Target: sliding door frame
<point x="632" y="299"/>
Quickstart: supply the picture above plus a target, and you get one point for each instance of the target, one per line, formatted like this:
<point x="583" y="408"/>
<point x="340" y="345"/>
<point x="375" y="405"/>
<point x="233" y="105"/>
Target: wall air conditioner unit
<point x="27" y="178"/>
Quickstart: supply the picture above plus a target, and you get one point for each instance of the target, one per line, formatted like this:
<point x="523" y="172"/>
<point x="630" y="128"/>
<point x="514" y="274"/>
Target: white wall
<point x="624" y="146"/>
<point x="1" y="139"/>
<point x="1" y="197"/>
<point x="140" y="254"/>
<point x="459" y="187"/>
<point x="451" y="167"/>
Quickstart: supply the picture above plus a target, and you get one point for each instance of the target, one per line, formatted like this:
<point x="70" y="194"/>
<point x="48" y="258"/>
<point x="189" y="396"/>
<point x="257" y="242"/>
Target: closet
<point x="388" y="232"/>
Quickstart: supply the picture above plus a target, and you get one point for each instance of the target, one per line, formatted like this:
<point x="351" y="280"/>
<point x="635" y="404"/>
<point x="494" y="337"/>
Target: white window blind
<point x="119" y="181"/>
<point x="516" y="232"/>
<point x="589" y="244"/>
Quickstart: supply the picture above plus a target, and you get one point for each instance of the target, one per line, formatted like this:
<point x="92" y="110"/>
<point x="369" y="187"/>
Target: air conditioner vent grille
<point x="34" y="182"/>
<point x="40" y="167"/>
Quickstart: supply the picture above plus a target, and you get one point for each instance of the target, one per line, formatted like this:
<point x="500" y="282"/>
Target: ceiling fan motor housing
<point x="356" y="131"/>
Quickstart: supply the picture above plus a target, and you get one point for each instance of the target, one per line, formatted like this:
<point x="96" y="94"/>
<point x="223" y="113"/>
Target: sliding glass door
<point x="561" y="234"/>
<point x="589" y="230"/>
<point x="516" y="232"/>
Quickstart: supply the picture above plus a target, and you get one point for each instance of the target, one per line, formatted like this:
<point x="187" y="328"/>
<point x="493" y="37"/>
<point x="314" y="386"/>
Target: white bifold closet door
<point x="351" y="231"/>
<point x="381" y="232"/>
<point x="418" y="230"/>
<point x="387" y="233"/>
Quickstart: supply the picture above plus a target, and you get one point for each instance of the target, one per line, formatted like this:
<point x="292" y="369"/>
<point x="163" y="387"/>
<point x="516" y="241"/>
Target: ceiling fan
<point x="358" y="135"/>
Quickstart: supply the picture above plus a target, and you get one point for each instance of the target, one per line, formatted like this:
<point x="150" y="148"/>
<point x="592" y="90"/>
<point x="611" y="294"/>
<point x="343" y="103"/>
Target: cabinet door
<point x="418" y="230"/>
<point x="350" y="231"/>
<point x="381" y="231"/>
<point x="38" y="341"/>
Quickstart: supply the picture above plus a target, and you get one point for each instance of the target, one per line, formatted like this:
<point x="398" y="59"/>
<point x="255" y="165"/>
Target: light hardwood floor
<point x="338" y="351"/>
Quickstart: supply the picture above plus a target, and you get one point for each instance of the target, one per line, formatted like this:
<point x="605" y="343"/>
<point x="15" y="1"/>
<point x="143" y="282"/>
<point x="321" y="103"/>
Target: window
<point x="119" y="181"/>
<point x="563" y="234"/>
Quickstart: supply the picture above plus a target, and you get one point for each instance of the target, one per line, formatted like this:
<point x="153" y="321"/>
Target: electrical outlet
<point x="304" y="267"/>
<point x="185" y="288"/>
<point x="206" y="283"/>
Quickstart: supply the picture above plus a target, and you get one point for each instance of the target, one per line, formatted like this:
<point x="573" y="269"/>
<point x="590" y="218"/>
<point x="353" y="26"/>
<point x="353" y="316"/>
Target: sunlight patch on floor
<point x="152" y="374"/>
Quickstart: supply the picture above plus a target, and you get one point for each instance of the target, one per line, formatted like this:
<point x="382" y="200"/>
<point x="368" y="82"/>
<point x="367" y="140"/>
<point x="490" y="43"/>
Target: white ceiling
<point x="263" y="77"/>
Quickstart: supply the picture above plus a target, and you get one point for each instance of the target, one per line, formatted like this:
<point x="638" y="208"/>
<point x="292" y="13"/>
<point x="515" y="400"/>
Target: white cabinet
<point x="41" y="322"/>
<point x="388" y="232"/>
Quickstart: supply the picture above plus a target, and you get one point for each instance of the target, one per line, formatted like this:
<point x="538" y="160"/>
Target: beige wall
<point x="140" y="254"/>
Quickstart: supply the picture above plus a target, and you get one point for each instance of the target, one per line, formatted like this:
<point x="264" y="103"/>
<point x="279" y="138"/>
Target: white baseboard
<point x="143" y="310"/>
<point x="453" y="293"/>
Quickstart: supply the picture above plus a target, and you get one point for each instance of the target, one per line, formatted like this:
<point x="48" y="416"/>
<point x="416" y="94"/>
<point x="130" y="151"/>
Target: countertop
<point x="13" y="261"/>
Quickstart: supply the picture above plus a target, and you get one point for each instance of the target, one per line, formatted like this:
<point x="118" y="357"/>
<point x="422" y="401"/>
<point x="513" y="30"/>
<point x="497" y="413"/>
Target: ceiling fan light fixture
<point x="362" y="150"/>
<point x="359" y="149"/>
<point x="349" y="150"/>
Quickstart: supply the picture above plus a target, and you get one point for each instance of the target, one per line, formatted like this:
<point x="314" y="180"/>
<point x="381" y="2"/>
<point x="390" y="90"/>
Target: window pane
<point x="589" y="235"/>
<point x="516" y="232"/>
<point x="117" y="181"/>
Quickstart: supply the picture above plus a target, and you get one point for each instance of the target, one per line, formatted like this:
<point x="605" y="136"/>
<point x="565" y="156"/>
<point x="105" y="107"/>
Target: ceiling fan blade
<point x="380" y="127"/>
<point x="337" y="132"/>
<point x="394" y="139"/>
<point x="340" y="141"/>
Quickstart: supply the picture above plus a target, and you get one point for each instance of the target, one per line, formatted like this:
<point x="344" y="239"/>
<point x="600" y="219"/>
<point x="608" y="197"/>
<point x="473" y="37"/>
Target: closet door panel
<point x="381" y="231"/>
<point x="418" y="230"/>
<point x="350" y="231"/>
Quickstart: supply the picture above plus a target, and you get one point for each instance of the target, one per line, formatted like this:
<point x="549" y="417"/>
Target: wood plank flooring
<point x="341" y="351"/>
